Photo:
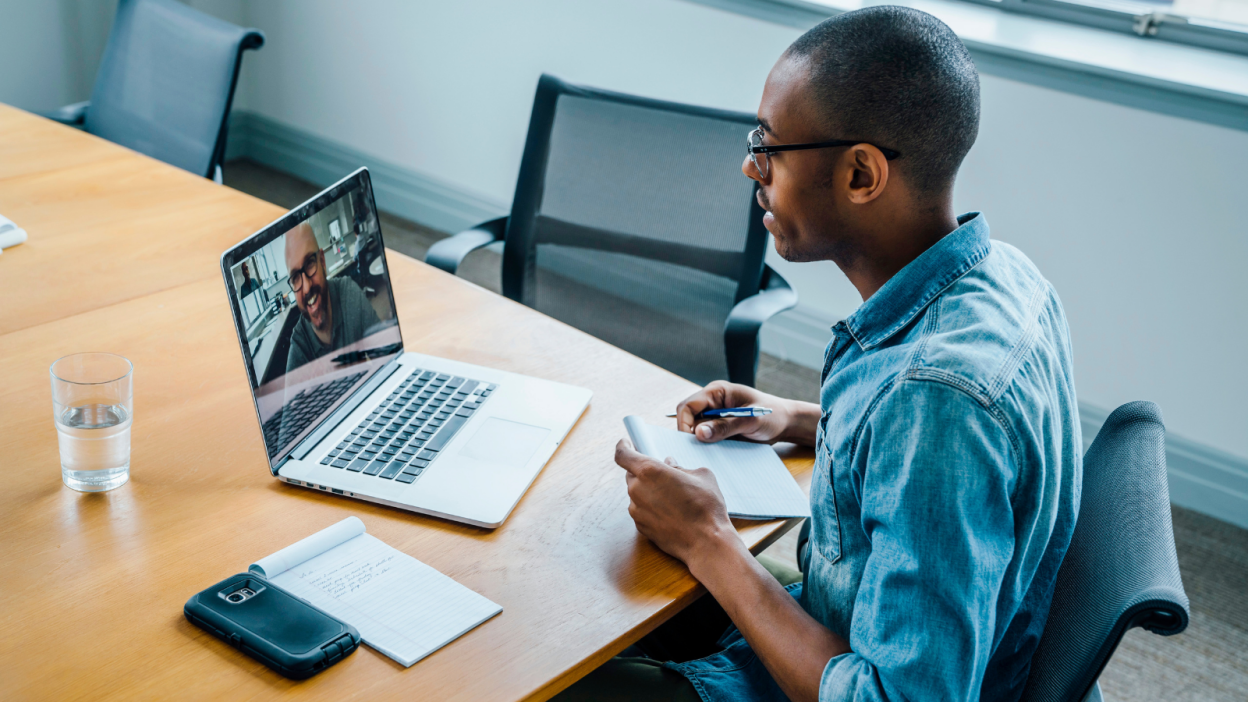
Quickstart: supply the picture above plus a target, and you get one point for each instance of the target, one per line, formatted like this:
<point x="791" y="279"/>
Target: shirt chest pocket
<point x="825" y="523"/>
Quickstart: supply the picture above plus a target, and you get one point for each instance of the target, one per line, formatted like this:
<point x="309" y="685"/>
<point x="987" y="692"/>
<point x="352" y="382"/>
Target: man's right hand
<point x="789" y="420"/>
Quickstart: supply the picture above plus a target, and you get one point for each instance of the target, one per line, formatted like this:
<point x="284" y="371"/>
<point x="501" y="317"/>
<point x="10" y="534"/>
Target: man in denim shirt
<point x="948" y="452"/>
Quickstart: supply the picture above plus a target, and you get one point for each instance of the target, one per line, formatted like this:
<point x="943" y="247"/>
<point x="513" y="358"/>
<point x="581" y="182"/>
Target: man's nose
<point x="747" y="167"/>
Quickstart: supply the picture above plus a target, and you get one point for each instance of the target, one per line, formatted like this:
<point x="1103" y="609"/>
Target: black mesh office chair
<point x="1121" y="570"/>
<point x="632" y="221"/>
<point x="166" y="83"/>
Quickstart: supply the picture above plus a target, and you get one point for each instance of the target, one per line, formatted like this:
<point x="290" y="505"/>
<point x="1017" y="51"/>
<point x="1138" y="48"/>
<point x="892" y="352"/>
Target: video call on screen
<point x="316" y="313"/>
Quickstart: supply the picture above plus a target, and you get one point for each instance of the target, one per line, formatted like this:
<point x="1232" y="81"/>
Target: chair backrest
<point x="1121" y="570"/>
<point x="166" y="82"/>
<point x="281" y="349"/>
<point x="632" y="221"/>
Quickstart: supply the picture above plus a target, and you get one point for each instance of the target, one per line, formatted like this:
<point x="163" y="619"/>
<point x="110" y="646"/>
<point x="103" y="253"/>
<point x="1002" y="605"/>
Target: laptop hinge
<point x="346" y="408"/>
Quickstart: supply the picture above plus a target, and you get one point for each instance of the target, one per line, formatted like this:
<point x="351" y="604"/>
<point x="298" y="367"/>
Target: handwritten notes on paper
<point x="401" y="607"/>
<point x="349" y="577"/>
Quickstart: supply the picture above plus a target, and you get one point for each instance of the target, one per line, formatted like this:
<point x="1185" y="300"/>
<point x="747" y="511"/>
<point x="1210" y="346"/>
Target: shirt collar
<point x="912" y="288"/>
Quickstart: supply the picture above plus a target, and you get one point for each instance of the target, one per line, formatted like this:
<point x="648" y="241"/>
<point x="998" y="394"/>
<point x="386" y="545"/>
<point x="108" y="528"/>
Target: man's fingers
<point x="720" y="429"/>
<point x="685" y="415"/>
<point x="705" y="473"/>
<point x="707" y="431"/>
<point x="710" y="397"/>
<point x="687" y="411"/>
<point x="635" y="463"/>
<point x="628" y="458"/>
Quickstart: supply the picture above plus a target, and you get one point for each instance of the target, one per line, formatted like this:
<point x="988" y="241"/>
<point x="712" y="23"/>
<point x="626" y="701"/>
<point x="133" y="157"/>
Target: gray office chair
<point x="166" y="83"/>
<point x="632" y="221"/>
<point x="1121" y="570"/>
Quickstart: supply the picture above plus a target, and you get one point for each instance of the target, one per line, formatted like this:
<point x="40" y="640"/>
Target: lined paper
<point x="753" y="479"/>
<point x="401" y="607"/>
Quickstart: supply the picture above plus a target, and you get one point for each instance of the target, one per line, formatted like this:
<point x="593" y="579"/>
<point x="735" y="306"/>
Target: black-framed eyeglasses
<point x="307" y="270"/>
<point x="754" y="147"/>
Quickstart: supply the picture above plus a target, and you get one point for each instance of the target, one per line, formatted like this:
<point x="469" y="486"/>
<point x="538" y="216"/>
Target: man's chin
<point x="784" y="248"/>
<point x="318" y="322"/>
<point x="794" y="255"/>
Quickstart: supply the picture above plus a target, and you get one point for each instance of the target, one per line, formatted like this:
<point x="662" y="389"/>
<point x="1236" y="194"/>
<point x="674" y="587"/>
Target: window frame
<point x="1117" y="16"/>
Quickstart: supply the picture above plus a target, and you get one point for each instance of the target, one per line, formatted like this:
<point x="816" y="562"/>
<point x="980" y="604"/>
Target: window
<point x="1214" y="24"/>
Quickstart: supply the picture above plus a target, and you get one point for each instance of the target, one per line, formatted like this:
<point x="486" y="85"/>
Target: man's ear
<point x="870" y="173"/>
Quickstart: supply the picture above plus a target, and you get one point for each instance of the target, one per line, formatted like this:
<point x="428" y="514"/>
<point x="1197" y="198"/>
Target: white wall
<point x="49" y="50"/>
<point x="1138" y="220"/>
<point x="1132" y="215"/>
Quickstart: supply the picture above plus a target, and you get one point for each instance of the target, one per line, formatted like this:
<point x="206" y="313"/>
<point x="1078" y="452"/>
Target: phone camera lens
<point x="235" y="597"/>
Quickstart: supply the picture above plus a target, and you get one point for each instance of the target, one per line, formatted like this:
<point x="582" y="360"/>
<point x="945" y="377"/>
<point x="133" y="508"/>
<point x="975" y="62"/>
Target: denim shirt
<point x="946" y="484"/>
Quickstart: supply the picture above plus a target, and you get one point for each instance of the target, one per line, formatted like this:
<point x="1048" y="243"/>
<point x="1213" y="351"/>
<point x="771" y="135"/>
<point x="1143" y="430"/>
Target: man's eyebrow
<point x="765" y="125"/>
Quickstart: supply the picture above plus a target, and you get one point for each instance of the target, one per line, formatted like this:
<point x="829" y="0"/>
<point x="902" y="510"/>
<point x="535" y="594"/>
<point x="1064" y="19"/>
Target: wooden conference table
<point x="123" y="257"/>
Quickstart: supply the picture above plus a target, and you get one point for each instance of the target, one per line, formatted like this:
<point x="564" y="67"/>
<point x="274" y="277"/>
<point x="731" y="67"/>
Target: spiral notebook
<point x="401" y="607"/>
<point x="753" y="479"/>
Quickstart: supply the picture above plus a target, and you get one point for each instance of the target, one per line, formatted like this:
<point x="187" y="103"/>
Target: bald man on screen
<point x="332" y="313"/>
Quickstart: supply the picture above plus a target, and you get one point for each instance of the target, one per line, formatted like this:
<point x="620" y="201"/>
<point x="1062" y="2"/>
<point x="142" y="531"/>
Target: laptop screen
<point x="314" y="310"/>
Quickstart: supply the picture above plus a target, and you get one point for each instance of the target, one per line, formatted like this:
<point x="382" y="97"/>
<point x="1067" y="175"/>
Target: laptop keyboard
<point x="410" y="427"/>
<point x="302" y="410"/>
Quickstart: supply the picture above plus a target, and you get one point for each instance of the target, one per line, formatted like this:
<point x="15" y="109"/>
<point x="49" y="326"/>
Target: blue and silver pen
<point x="733" y="412"/>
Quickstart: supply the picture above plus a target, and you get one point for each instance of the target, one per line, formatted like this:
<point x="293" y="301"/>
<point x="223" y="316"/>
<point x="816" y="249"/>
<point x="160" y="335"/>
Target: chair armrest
<point x="745" y="320"/>
<point x="448" y="253"/>
<point x="70" y="114"/>
<point x="803" y="545"/>
<point x="253" y="39"/>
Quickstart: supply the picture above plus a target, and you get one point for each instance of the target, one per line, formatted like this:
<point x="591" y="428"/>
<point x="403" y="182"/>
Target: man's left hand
<point x="681" y="511"/>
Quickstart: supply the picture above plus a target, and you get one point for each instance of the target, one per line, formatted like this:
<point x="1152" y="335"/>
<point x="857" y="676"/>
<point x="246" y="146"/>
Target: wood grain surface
<point x="104" y="224"/>
<point x="123" y="258"/>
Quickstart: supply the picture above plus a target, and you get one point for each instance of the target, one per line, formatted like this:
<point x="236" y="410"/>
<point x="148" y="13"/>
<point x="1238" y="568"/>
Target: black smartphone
<point x="271" y="625"/>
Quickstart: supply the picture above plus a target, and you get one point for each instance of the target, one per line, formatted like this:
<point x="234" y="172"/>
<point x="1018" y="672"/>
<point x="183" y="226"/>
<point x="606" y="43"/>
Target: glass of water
<point x="93" y="405"/>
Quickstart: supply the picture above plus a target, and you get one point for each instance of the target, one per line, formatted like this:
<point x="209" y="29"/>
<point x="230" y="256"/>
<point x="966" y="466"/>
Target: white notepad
<point x="401" y="607"/>
<point x="10" y="233"/>
<point x="755" y="483"/>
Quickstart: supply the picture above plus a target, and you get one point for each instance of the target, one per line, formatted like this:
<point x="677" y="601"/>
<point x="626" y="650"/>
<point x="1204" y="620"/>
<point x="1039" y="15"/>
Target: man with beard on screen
<point x="332" y="313"/>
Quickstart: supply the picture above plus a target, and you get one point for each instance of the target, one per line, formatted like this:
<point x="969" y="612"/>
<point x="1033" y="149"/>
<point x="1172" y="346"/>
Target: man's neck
<point x="327" y="336"/>
<point x="894" y="247"/>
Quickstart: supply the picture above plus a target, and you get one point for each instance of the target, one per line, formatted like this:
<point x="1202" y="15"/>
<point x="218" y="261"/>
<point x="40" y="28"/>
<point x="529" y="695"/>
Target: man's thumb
<point x="712" y="430"/>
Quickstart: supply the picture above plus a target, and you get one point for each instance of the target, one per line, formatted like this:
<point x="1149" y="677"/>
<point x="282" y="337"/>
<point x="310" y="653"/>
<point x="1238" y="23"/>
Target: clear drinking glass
<point x="93" y="405"/>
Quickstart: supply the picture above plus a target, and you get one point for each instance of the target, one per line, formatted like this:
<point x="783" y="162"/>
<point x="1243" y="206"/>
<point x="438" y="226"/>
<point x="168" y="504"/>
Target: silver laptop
<point x="344" y="408"/>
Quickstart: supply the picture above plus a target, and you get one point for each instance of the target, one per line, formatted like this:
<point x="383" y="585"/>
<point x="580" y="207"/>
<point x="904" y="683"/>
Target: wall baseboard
<point x="799" y="335"/>
<point x="1201" y="478"/>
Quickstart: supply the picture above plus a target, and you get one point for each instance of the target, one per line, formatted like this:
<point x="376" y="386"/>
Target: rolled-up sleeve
<point x="936" y="508"/>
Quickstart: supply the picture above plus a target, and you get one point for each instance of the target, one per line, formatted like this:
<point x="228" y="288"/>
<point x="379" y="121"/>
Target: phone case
<point x="273" y="626"/>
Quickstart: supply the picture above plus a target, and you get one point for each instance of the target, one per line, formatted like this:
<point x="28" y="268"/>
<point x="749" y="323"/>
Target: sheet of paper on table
<point x="401" y="607"/>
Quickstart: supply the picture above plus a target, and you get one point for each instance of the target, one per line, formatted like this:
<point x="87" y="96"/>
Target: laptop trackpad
<point x="504" y="443"/>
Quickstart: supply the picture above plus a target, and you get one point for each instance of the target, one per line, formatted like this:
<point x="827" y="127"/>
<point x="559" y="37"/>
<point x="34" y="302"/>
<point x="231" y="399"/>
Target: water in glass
<point x="95" y="446"/>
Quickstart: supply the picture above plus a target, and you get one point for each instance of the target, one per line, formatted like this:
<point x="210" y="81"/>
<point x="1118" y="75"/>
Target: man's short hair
<point x="901" y="79"/>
